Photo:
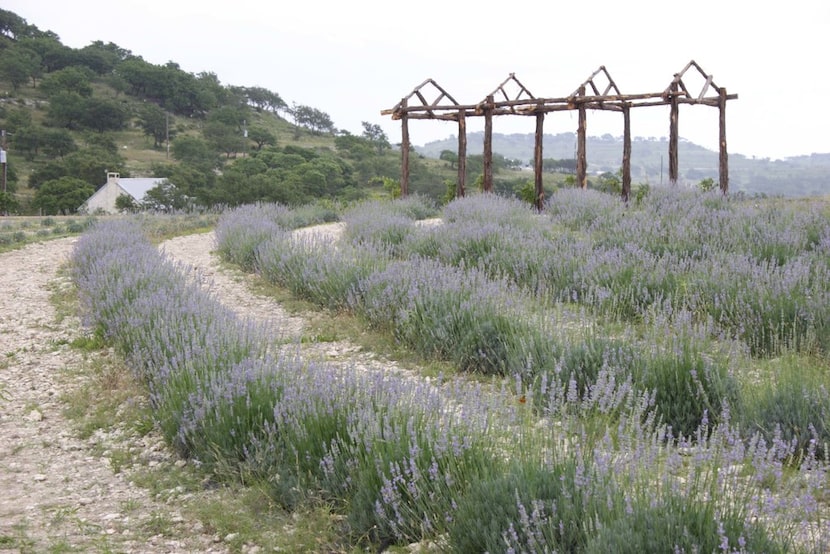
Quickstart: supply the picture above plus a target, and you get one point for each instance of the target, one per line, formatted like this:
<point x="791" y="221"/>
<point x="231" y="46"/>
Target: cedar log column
<point x="404" y="152"/>
<point x="462" y="155"/>
<point x="539" y="201"/>
<point x="673" y="135"/>
<point x="723" y="170"/>
<point x="581" y="157"/>
<point x="488" y="144"/>
<point x="626" y="161"/>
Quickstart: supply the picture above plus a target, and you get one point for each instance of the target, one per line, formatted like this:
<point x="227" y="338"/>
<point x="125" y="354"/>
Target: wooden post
<point x="673" y="136"/>
<point x="539" y="200"/>
<point x="581" y="157"/>
<point x="404" y="152"/>
<point x="488" y="144"/>
<point x="626" y="160"/>
<point x="462" y="155"/>
<point x="723" y="167"/>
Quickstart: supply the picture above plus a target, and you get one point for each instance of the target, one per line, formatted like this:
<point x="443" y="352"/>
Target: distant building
<point x="104" y="198"/>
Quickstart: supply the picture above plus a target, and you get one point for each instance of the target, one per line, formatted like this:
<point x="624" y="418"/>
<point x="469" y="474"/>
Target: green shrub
<point x="689" y="374"/>
<point x="534" y="508"/>
<point x="583" y="360"/>
<point x="679" y="524"/>
<point x="793" y="406"/>
<point x="75" y="227"/>
<point x="689" y="390"/>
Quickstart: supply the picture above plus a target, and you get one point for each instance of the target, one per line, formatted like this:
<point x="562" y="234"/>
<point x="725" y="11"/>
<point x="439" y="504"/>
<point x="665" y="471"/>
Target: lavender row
<point x="407" y="460"/>
<point x="759" y="271"/>
<point x="489" y="290"/>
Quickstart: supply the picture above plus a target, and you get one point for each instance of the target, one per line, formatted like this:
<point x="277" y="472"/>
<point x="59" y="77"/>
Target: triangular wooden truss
<point x="428" y="107"/>
<point x="592" y="83"/>
<point x="598" y="92"/>
<point x="511" y="90"/>
<point x="678" y="85"/>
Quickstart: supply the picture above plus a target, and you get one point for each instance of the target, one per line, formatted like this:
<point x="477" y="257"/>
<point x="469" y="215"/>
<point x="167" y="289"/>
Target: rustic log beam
<point x="404" y="155"/>
<point x="530" y="107"/>
<point x="686" y="92"/>
<point x="626" y="160"/>
<point x="581" y="157"/>
<point x="723" y="163"/>
<point x="539" y="199"/>
<point x="488" y="145"/>
<point x="673" y="138"/>
<point x="613" y="101"/>
<point x="615" y="107"/>
<point x="444" y="93"/>
<point x="429" y="115"/>
<point x="706" y="86"/>
<point x="462" y="156"/>
<point x="423" y="100"/>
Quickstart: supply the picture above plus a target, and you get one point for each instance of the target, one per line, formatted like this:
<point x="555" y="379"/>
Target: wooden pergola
<point x="598" y="92"/>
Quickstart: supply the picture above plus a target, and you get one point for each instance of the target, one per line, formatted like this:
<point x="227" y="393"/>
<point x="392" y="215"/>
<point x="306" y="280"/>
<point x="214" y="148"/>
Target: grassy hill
<point x="137" y="154"/>
<point x="135" y="146"/>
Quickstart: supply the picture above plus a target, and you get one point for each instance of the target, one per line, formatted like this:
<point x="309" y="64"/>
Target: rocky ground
<point x="60" y="492"/>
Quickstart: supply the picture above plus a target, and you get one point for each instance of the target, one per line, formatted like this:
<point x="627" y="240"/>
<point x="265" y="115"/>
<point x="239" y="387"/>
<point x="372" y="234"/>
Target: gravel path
<point x="231" y="287"/>
<point x="60" y="492"/>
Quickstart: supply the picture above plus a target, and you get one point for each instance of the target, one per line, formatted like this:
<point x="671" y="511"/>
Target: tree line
<point x="222" y="152"/>
<point x="221" y="137"/>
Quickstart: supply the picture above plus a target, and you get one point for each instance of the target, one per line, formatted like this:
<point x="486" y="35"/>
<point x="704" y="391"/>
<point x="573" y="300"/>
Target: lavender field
<point x="648" y="377"/>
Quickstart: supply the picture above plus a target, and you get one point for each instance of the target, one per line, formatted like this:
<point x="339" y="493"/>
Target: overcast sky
<point x="354" y="58"/>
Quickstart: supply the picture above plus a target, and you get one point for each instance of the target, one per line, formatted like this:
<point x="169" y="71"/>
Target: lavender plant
<point x="489" y="207"/>
<point x="628" y="441"/>
<point x="241" y="230"/>
<point x="569" y="489"/>
<point x="369" y="223"/>
<point x="175" y="336"/>
<point x="316" y="269"/>
<point x="414" y="206"/>
<point x="792" y="404"/>
<point x="452" y="314"/>
<point x="527" y="507"/>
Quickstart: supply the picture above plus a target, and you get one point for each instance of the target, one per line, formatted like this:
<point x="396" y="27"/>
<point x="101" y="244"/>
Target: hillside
<point x="807" y="175"/>
<point x="71" y="116"/>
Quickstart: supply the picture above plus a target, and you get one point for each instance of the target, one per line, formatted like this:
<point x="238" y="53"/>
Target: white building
<point x="104" y="198"/>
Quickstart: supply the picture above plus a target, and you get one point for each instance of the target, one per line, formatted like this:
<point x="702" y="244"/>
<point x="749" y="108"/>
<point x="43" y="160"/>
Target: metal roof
<point x="137" y="187"/>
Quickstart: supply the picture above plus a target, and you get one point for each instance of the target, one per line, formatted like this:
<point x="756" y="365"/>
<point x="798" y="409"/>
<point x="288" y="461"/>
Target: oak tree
<point x="62" y="196"/>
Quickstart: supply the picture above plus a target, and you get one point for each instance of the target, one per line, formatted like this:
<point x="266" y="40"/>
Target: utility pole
<point x="3" y="163"/>
<point x="167" y="133"/>
<point x="244" y="135"/>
